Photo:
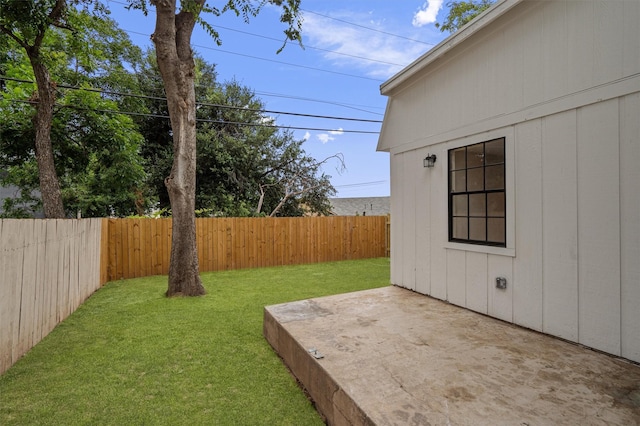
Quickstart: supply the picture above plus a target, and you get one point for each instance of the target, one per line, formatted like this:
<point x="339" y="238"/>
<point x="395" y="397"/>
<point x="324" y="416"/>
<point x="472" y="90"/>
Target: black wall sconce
<point x="429" y="160"/>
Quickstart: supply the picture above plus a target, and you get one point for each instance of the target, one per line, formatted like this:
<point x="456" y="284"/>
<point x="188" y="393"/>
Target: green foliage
<point x="110" y="164"/>
<point x="27" y="22"/>
<point x="104" y="171"/>
<point x="462" y="12"/>
<point x="96" y="153"/>
<point x="235" y="161"/>
<point x="130" y="356"/>
<point x="238" y="163"/>
<point x="246" y="9"/>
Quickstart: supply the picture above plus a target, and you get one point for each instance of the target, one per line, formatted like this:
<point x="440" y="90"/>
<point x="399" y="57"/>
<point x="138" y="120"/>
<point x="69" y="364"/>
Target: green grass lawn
<point x="130" y="356"/>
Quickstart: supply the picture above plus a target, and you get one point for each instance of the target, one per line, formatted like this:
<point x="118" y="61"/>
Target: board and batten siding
<point x="560" y="81"/>
<point x="575" y="272"/>
<point x="541" y="57"/>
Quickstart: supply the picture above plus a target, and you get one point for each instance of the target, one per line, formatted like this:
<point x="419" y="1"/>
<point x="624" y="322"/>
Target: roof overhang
<point x="483" y="20"/>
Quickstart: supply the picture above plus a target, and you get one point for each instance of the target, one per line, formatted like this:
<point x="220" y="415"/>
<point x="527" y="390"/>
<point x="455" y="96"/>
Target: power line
<point x="357" y="185"/>
<point x="274" y="61"/>
<point x="368" y="28"/>
<point x="319" y="48"/>
<point x="345" y="105"/>
<point x="356" y="107"/>
<point x="204" y="120"/>
<point x="290" y="64"/>
<point x="133" y="95"/>
<point x="350" y="106"/>
<point x="311" y="47"/>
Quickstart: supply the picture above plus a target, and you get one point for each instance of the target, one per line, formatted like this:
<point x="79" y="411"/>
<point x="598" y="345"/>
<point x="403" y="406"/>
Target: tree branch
<point x="17" y="39"/>
<point x="54" y="16"/>
<point x="291" y="182"/>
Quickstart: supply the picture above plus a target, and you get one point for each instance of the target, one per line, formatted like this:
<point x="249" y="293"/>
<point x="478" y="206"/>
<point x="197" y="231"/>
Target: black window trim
<point x="450" y="195"/>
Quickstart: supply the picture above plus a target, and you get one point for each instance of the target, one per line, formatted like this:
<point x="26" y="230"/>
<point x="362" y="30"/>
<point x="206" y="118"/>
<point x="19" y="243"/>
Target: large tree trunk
<point x="49" y="184"/>
<point x="175" y="60"/>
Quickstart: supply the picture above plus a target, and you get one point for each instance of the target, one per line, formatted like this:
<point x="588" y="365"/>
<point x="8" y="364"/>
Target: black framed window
<point x="477" y="205"/>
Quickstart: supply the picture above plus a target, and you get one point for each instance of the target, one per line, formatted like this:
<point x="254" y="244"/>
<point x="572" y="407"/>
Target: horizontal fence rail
<point x="142" y="247"/>
<point x="47" y="269"/>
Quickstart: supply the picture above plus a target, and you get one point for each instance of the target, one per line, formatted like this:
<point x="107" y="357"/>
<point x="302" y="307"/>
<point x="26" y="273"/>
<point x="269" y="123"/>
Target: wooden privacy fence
<point x="47" y="269"/>
<point x="141" y="247"/>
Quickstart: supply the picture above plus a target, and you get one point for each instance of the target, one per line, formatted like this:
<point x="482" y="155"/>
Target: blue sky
<point x="351" y="47"/>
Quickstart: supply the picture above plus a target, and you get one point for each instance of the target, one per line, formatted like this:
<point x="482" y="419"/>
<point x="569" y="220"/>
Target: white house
<point x="533" y="114"/>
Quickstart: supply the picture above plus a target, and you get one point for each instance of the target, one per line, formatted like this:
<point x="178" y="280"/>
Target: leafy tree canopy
<point x="461" y="13"/>
<point x="111" y="163"/>
<point x="245" y="165"/>
<point x="27" y="23"/>
<point x="96" y="153"/>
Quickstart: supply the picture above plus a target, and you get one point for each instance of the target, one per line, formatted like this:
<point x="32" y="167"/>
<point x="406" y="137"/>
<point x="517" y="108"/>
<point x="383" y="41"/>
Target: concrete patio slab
<point x="390" y="356"/>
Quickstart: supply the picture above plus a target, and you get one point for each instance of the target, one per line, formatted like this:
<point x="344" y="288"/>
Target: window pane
<point x="494" y="177"/>
<point x="457" y="159"/>
<point x="477" y="205"/>
<point x="475" y="179"/>
<point x="496" y="205"/>
<point x="477" y="212"/>
<point x="460" y="228"/>
<point x="496" y="230"/>
<point x="475" y="155"/>
<point x="459" y="181"/>
<point x="494" y="152"/>
<point x="460" y="205"/>
<point x="477" y="229"/>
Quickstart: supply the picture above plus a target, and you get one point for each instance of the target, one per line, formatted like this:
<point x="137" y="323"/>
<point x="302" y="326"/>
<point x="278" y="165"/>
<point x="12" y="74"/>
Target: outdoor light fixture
<point x="429" y="160"/>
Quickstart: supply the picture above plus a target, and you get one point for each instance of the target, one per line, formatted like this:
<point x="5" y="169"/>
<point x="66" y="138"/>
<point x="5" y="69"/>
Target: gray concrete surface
<point x="394" y="357"/>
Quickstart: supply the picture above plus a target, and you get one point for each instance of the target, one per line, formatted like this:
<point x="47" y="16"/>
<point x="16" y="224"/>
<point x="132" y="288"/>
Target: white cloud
<point x="306" y="136"/>
<point x="354" y="44"/>
<point x="427" y="14"/>
<point x="329" y="136"/>
<point x="324" y="137"/>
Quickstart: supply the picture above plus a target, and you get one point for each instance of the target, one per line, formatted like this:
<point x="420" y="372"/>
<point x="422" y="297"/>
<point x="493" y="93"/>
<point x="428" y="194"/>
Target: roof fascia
<point x="481" y="21"/>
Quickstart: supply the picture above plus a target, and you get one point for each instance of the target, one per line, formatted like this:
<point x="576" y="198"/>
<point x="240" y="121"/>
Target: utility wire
<point x="274" y="61"/>
<point x="318" y="48"/>
<point x="350" y="106"/>
<point x="367" y="28"/>
<point x="356" y="107"/>
<point x="259" y="111"/>
<point x="310" y="47"/>
<point x="204" y="120"/>
<point x="290" y="64"/>
<point x="356" y="185"/>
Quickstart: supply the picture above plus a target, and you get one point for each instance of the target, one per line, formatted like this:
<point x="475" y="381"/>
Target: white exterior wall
<point x="561" y="82"/>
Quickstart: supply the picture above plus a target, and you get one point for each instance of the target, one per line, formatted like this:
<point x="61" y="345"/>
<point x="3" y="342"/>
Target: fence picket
<point x="49" y="267"/>
<point x="143" y="246"/>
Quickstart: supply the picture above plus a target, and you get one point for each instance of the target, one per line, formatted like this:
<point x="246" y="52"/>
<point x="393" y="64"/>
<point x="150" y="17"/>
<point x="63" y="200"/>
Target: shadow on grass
<point x="131" y="356"/>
